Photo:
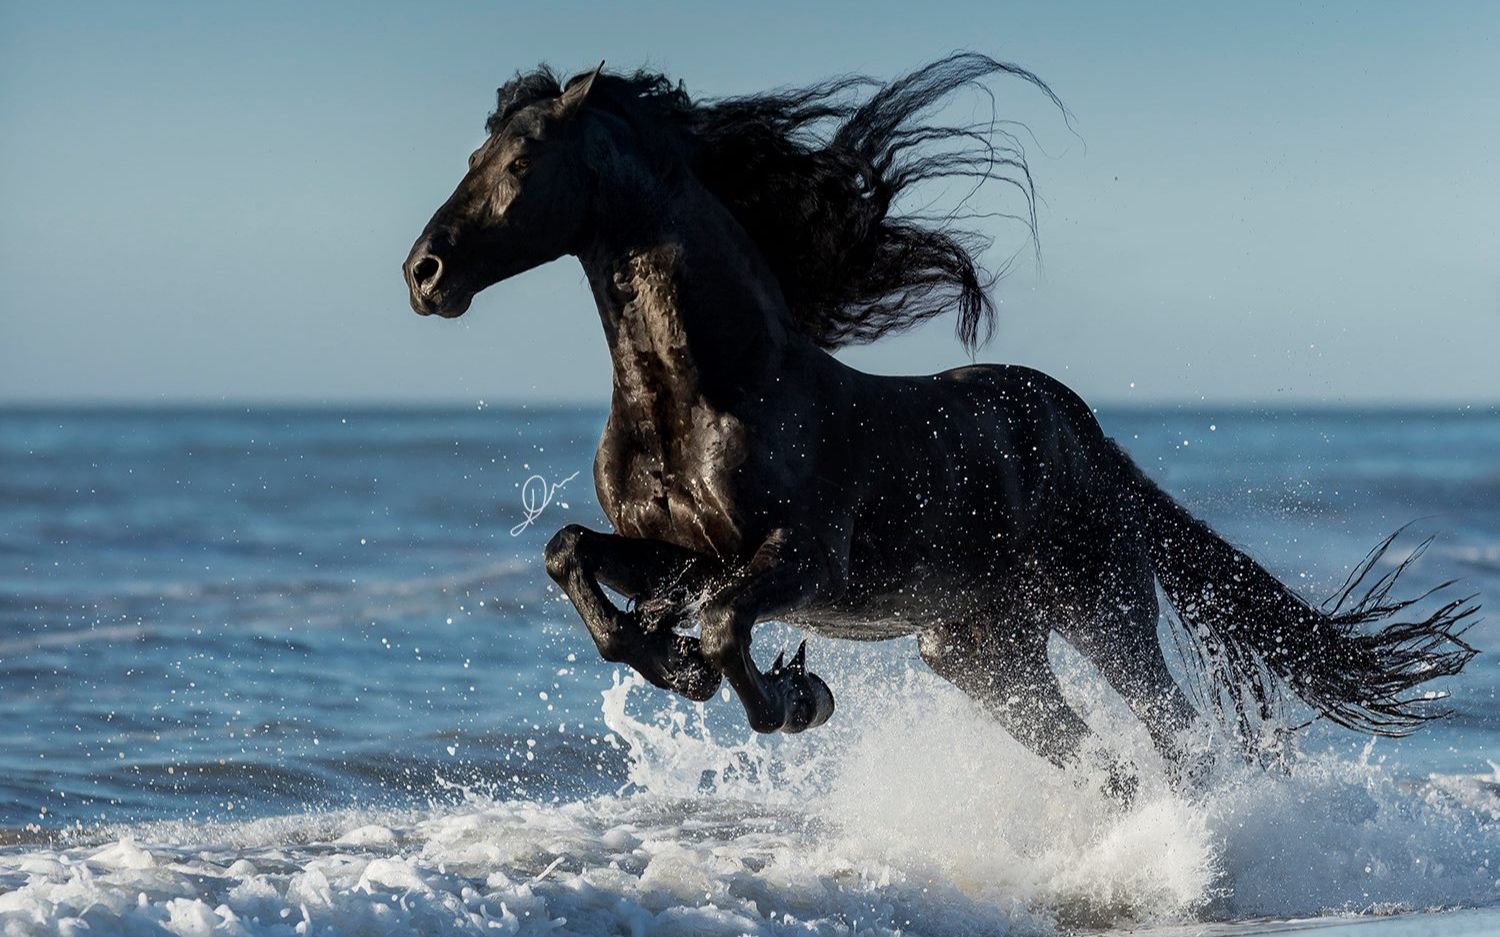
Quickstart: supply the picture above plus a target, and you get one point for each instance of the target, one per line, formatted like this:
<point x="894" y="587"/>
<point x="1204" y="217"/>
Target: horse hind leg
<point x="1124" y="647"/>
<point x="1009" y="676"/>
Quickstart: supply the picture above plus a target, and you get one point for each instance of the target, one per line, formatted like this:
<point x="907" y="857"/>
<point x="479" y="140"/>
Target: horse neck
<point x="688" y="306"/>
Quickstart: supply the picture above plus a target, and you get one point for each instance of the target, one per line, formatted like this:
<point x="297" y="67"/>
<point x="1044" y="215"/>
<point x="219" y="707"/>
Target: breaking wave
<point x="910" y="813"/>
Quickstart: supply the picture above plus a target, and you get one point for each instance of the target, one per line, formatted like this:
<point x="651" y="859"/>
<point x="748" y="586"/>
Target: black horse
<point x="750" y="475"/>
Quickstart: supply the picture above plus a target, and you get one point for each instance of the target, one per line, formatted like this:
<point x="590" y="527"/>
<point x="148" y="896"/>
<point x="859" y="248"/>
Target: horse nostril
<point x="426" y="271"/>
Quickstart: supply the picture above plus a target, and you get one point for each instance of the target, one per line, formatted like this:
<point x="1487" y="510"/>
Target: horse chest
<point x="674" y="476"/>
<point x="672" y="466"/>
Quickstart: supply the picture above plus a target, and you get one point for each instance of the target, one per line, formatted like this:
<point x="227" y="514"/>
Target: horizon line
<point x="208" y="404"/>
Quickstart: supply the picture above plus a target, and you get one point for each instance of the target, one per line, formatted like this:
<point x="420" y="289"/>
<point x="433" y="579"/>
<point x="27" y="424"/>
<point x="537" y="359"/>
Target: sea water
<point x="300" y="671"/>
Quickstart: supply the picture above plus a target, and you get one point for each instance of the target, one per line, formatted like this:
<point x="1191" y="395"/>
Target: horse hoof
<point x="697" y="683"/>
<point x="674" y="662"/>
<point x="1191" y="772"/>
<point x="806" y="700"/>
<point x="1121" y="784"/>
<point x="690" y="674"/>
<point x="810" y="706"/>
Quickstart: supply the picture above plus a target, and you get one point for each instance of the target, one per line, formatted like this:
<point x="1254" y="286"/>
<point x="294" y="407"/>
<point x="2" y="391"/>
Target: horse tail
<point x="1252" y="632"/>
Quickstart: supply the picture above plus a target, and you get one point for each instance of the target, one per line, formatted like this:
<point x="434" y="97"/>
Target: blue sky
<point x="1264" y="203"/>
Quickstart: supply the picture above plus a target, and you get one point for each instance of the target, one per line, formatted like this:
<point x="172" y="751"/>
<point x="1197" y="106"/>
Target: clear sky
<point x="1265" y="202"/>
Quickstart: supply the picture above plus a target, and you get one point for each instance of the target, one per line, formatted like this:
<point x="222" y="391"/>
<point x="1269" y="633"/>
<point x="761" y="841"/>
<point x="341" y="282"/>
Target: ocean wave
<point x="913" y="814"/>
<point x="312" y="603"/>
<point x="70" y="637"/>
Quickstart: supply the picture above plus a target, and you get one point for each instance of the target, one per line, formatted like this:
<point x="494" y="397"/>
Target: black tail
<point x="1253" y="631"/>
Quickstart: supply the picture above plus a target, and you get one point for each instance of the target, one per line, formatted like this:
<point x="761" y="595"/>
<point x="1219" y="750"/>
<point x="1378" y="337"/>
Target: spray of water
<point x="910" y="813"/>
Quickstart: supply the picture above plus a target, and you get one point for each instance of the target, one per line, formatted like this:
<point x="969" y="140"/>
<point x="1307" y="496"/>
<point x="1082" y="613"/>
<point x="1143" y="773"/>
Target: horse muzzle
<point x="431" y="284"/>
<point x="446" y="304"/>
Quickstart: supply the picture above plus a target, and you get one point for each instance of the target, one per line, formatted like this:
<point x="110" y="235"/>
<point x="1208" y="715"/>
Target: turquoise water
<point x="232" y="632"/>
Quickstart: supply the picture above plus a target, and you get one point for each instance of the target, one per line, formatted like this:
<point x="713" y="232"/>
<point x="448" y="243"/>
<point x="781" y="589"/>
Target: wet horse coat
<point x="750" y="475"/>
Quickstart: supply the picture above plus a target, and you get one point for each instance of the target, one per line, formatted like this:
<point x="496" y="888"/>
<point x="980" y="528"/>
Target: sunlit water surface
<point x="291" y="672"/>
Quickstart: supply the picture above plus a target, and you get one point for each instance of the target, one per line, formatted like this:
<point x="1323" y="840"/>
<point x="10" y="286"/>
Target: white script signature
<point x="536" y="494"/>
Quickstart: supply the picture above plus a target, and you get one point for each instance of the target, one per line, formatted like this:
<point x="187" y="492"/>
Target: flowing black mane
<point x="813" y="174"/>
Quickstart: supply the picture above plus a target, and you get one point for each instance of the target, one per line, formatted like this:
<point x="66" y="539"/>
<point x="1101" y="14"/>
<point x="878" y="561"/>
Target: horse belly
<point x="892" y="593"/>
<point x="856" y="627"/>
<point x="921" y="601"/>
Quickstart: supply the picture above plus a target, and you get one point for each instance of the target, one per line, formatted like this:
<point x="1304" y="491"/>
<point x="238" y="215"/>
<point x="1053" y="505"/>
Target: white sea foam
<point x="909" y="813"/>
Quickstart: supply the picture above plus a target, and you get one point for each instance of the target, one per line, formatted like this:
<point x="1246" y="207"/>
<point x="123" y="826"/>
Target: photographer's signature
<point x="536" y="494"/>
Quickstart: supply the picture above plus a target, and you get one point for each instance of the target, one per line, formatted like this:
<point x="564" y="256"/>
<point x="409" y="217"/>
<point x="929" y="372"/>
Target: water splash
<point x="912" y="813"/>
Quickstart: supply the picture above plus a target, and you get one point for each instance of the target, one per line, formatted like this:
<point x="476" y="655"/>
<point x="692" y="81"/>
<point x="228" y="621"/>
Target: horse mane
<point x="814" y="175"/>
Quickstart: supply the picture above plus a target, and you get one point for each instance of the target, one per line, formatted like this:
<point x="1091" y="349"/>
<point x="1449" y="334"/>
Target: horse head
<point x="524" y="201"/>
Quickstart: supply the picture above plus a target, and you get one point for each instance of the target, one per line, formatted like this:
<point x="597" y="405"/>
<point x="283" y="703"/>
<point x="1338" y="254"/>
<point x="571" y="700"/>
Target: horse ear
<point x="576" y="93"/>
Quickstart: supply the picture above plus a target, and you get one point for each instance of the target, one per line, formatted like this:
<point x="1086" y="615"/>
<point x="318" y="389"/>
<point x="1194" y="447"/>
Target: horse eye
<point x="519" y="165"/>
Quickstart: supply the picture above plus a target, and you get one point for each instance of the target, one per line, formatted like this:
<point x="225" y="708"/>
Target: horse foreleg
<point x="789" y="569"/>
<point x="662" y="580"/>
<point x="579" y="558"/>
